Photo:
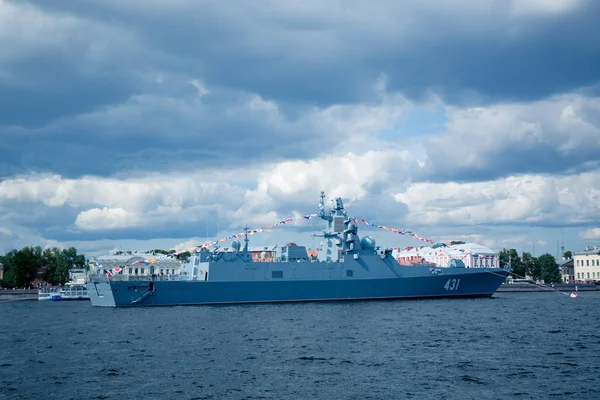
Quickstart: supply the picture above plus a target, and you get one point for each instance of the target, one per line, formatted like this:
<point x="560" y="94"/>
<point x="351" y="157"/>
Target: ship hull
<point x="450" y="284"/>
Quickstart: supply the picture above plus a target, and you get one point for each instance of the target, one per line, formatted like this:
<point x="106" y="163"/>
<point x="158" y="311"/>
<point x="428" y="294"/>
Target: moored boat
<point x="71" y="291"/>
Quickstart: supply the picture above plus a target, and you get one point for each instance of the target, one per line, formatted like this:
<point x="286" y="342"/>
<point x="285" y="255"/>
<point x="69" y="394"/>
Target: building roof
<point x="565" y="263"/>
<point x="588" y="251"/>
<point x="261" y="248"/>
<point x="472" y="248"/>
<point x="122" y="257"/>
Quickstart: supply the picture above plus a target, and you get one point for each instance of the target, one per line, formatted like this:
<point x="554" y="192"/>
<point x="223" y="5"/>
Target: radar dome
<point x="367" y="243"/>
<point x="235" y="245"/>
<point x="455" y="263"/>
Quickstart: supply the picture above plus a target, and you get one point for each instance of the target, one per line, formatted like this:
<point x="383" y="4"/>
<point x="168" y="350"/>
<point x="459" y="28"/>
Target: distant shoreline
<point x="563" y="287"/>
<point x="18" y="295"/>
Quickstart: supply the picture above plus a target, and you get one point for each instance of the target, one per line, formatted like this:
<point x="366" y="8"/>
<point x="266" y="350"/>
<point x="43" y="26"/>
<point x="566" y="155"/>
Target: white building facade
<point x="587" y="264"/>
<point x="138" y="264"/>
<point x="473" y="255"/>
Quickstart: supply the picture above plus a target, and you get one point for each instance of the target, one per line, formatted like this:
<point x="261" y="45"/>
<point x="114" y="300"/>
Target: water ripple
<point x="526" y="346"/>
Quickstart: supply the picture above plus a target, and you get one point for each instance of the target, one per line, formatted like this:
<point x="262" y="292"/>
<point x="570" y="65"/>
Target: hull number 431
<point x="452" y="284"/>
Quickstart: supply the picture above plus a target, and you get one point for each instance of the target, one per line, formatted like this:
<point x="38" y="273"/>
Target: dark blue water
<point x="525" y="346"/>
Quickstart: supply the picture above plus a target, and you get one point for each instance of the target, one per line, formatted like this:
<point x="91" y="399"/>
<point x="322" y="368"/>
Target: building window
<point x="349" y="273"/>
<point x="587" y="263"/>
<point x="276" y="274"/>
<point x="578" y="277"/>
<point x="588" y="275"/>
<point x="578" y="263"/>
<point x="173" y="271"/>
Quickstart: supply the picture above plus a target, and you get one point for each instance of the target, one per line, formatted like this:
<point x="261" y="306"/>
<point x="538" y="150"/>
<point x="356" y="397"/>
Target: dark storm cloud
<point x="329" y="53"/>
<point x="59" y="93"/>
<point x="161" y="133"/>
<point x="91" y="102"/>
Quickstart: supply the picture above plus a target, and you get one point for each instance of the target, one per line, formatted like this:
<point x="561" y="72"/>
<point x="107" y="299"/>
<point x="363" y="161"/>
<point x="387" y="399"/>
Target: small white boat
<point x="71" y="291"/>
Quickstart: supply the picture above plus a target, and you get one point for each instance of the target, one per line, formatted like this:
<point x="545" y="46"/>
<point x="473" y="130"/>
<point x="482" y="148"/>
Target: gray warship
<point x="346" y="268"/>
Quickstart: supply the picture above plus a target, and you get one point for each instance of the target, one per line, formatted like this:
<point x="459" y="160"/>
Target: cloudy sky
<point x="153" y="123"/>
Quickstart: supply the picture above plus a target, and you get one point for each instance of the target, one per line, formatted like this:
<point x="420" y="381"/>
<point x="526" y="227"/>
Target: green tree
<point x="57" y="266"/>
<point x="531" y="267"/>
<point x="76" y="260"/>
<point x="24" y="265"/>
<point x="7" y="260"/>
<point x="60" y="262"/>
<point x="511" y="257"/>
<point x="452" y="243"/>
<point x="568" y="255"/>
<point x="20" y="266"/>
<point x="549" y="269"/>
<point x="159" y="251"/>
<point x="184" y="257"/>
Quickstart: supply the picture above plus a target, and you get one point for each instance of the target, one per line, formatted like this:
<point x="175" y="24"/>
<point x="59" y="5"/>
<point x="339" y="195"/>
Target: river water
<point x="514" y="345"/>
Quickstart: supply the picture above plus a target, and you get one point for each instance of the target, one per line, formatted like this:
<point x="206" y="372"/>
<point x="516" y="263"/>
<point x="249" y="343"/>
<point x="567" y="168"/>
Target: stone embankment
<point x="18" y="294"/>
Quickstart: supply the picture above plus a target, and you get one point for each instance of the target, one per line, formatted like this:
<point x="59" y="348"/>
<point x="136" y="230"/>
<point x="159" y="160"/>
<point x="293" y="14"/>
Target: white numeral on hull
<point x="452" y="284"/>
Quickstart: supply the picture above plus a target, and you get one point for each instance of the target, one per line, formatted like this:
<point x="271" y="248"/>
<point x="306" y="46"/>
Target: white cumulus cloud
<point x="590" y="235"/>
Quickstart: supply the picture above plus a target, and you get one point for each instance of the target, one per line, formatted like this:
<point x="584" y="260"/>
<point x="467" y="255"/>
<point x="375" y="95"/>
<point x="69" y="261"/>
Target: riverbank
<point x="18" y="295"/>
<point x="529" y="287"/>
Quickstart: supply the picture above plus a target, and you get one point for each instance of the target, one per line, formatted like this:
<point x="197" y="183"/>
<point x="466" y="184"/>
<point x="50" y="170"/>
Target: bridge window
<point x="142" y="271"/>
<point x="130" y="269"/>
<point x="277" y="274"/>
<point x="136" y="271"/>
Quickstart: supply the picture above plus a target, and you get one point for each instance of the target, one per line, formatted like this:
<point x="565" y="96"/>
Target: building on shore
<point x="1" y="271"/>
<point x="136" y="264"/>
<point x="567" y="271"/>
<point x="473" y="255"/>
<point x="587" y="264"/>
<point x="263" y="253"/>
<point x="273" y="253"/>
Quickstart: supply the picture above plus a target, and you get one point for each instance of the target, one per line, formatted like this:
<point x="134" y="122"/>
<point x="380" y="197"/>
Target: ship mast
<point x="246" y="240"/>
<point x="340" y="235"/>
<point x="322" y="208"/>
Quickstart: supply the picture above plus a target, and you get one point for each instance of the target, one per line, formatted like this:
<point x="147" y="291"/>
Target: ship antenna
<point x="246" y="240"/>
<point x="322" y="204"/>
